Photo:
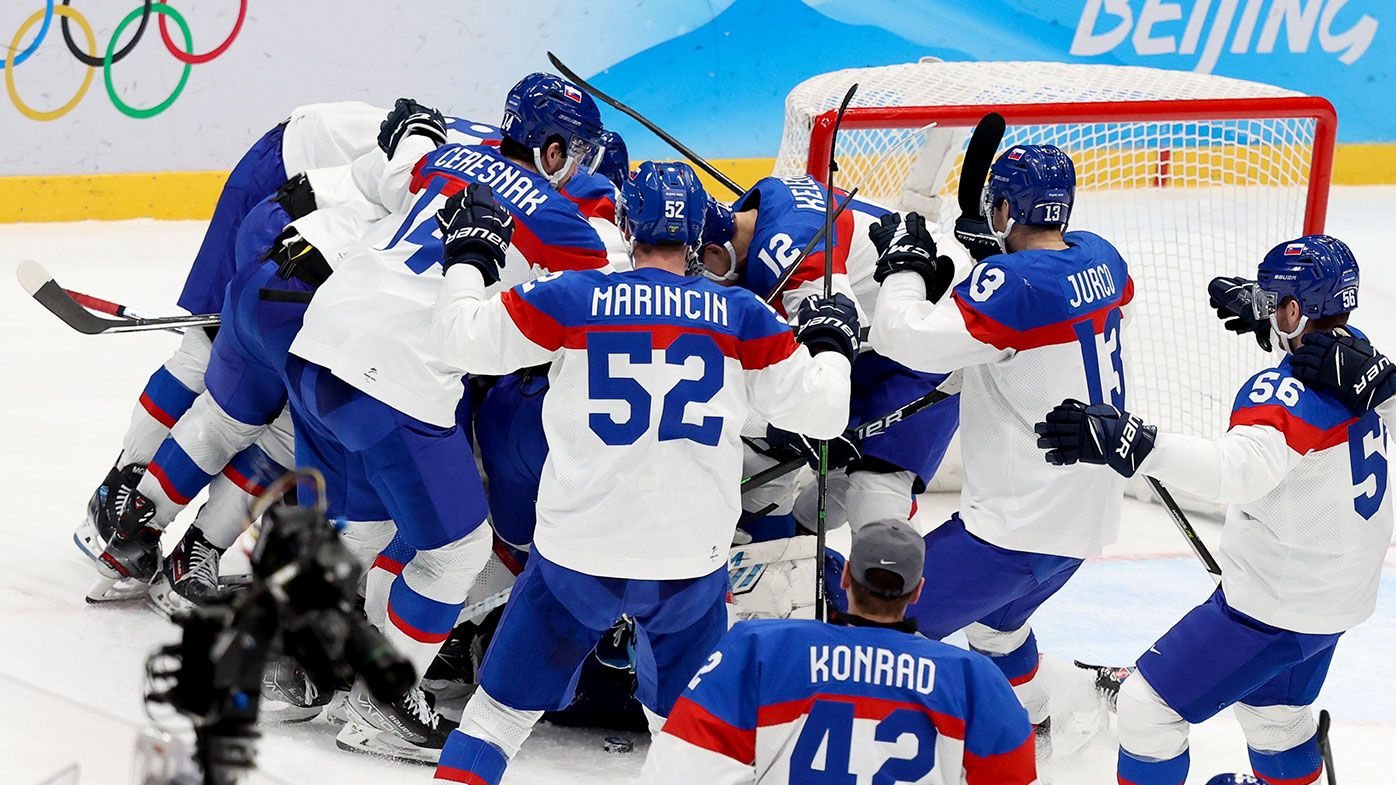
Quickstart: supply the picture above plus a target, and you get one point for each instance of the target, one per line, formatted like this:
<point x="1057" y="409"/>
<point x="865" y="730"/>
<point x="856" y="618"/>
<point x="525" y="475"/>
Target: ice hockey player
<point x="206" y="435"/>
<point x="1037" y="323"/>
<point x="785" y="701"/>
<point x="1304" y="473"/>
<point x="626" y="412"/>
<point x="371" y="394"/>
<point x="752" y="245"/>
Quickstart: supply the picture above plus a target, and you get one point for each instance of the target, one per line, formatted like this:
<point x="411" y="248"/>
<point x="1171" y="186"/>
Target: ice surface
<point x="70" y="674"/>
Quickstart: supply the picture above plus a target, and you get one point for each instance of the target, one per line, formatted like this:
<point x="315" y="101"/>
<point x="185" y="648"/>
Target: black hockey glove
<point x="1362" y="376"/>
<point x="843" y="449"/>
<point x="406" y="119"/>
<point x="296" y="258"/>
<point x="1232" y="299"/>
<point x="296" y="197"/>
<point x="973" y="233"/>
<point x="476" y="231"/>
<point x="906" y="245"/>
<point x="1095" y="433"/>
<point x="826" y="324"/>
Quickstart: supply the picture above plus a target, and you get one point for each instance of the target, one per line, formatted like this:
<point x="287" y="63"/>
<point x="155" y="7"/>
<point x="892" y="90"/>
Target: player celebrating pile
<point x="855" y="691"/>
<point x="1028" y="327"/>
<point x="1303" y="469"/>
<point x="653" y="372"/>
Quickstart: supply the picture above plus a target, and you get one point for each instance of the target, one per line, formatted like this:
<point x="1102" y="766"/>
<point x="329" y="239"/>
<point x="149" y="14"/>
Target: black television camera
<point x="301" y="603"/>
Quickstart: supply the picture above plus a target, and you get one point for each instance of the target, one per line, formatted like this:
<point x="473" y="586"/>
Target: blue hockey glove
<point x="410" y="118"/>
<point x="825" y="324"/>
<point x="1233" y="298"/>
<point x="843" y="449"/>
<point x="1349" y="366"/>
<point x="907" y="246"/>
<point x="1095" y="433"/>
<point x="476" y="231"/>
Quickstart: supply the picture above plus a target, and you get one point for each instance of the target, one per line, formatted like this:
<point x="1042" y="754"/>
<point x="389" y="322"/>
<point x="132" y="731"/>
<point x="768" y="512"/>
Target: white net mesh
<point x="1183" y="200"/>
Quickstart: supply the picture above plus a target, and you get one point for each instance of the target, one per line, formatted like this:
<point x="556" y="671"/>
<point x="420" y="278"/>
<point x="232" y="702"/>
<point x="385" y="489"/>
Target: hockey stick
<point x="821" y="611"/>
<point x="1325" y="746"/>
<point x="948" y="388"/>
<point x="41" y="286"/>
<point x="979" y="156"/>
<point x="110" y="308"/>
<point x="1190" y="534"/>
<point x="809" y="248"/>
<point x="683" y="149"/>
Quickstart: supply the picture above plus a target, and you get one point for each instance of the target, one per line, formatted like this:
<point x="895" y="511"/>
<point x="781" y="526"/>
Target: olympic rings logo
<point x="90" y="58"/>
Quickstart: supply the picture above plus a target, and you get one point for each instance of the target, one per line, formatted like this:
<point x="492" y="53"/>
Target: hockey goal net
<point x="1190" y="175"/>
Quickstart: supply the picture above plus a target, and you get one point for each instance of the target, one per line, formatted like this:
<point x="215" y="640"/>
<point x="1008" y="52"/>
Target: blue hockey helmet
<point x="663" y="203"/>
<point x="1038" y="181"/>
<point x="542" y="106"/>
<point x="719" y="226"/>
<point x="1316" y="270"/>
<point x="615" y="160"/>
<point x="1235" y="779"/>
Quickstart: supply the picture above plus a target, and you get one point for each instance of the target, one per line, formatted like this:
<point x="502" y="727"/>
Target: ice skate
<point x="409" y="730"/>
<point x="189" y="576"/>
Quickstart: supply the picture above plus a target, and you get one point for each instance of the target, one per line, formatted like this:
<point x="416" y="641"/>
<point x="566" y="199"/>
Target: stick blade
<point x="32" y="276"/>
<point x="979" y="156"/>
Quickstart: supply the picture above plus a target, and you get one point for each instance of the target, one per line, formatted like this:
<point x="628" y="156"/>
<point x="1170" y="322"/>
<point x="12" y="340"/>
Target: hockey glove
<point x="907" y="246"/>
<point x="1095" y="433"/>
<point x="973" y="233"/>
<point x="1232" y="297"/>
<point x="843" y="449"/>
<point x="476" y="231"/>
<point x="1361" y="376"/>
<point x="826" y="324"/>
<point x="296" y="197"/>
<point x="296" y="258"/>
<point x="410" y="118"/>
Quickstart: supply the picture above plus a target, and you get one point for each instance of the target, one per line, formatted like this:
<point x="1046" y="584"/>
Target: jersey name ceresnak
<point x="509" y="183"/>
<point x="871" y="665"/>
<point x="627" y="300"/>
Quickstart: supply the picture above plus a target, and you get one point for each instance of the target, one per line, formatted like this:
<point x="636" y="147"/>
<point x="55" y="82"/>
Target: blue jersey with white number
<point x="803" y="702"/>
<point x="1308" y="554"/>
<point x="652" y="376"/>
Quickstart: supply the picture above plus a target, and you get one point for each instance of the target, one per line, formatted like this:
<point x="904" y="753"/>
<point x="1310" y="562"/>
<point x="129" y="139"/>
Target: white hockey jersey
<point x="1030" y="329"/>
<point x="369" y="323"/>
<point x="1309" y="516"/>
<point x="652" y="376"/>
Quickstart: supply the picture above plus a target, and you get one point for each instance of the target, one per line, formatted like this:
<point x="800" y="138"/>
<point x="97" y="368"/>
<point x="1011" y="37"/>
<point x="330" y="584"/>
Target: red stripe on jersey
<point x="812" y="268"/>
<point x="387" y="564"/>
<point x="1304" y="779"/>
<point x="166" y="484"/>
<point x="160" y="415"/>
<point x="1299" y="435"/>
<point x="1016" y="767"/>
<point x="536" y="325"/>
<point x="864" y="707"/>
<point x="1026" y="677"/>
<point x="986" y="330"/>
<point x="247" y="484"/>
<point x="415" y="634"/>
<point x="554" y="258"/>
<point x="699" y="727"/>
<point x="599" y="207"/>
<point x="459" y="775"/>
<point x="753" y="354"/>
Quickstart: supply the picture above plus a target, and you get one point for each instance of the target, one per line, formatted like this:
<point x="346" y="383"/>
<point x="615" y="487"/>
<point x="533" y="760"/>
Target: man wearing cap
<point x="789" y="700"/>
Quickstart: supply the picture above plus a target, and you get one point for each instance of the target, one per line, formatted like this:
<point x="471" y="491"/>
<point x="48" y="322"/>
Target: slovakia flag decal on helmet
<point x="1015" y="153"/>
<point x="572" y="92"/>
<point x="1294" y="249"/>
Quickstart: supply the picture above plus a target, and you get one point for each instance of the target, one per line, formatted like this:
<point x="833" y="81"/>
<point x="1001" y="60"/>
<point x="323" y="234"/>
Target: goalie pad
<point x="773" y="580"/>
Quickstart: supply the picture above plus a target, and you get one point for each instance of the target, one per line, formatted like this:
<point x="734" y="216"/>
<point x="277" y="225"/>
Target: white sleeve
<point x="923" y="335"/>
<point x="803" y="393"/>
<point x="1386" y="410"/>
<point x="334" y="231"/>
<point x="478" y="335"/>
<point x="839" y="283"/>
<point x="1240" y="467"/>
<point x="387" y="182"/>
<point x="674" y="761"/>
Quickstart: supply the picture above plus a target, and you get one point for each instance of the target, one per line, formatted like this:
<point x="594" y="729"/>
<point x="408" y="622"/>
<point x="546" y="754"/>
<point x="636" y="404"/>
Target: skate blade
<point x="116" y="590"/>
<point x="364" y="739"/>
